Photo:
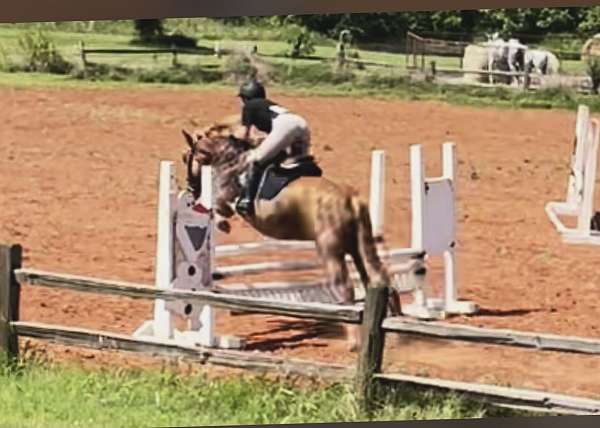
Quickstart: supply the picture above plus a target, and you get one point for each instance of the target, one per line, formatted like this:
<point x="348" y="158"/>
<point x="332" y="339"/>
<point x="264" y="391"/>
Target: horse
<point x="307" y="207"/>
<point x="511" y="53"/>
<point x="496" y="52"/>
<point x="543" y="61"/>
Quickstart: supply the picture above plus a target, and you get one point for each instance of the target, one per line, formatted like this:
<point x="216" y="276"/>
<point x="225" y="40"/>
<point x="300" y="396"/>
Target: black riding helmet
<point x="251" y="90"/>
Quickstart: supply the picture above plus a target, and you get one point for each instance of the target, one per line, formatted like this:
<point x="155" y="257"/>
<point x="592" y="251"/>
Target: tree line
<point x="374" y="27"/>
<point x="456" y="24"/>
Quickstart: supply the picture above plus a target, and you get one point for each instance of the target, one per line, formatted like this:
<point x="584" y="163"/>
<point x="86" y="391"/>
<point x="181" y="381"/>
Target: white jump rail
<point x="186" y="253"/>
<point x="433" y="232"/>
<point x="579" y="202"/>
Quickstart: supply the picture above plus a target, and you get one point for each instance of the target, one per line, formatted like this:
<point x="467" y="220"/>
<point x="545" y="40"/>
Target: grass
<point x="43" y="395"/>
<point x="382" y="86"/>
<point x="301" y="76"/>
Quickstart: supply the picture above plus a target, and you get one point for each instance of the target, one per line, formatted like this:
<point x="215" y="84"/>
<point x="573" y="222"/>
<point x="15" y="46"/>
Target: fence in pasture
<point x="523" y="78"/>
<point x="370" y="315"/>
<point x="366" y="373"/>
<point x="418" y="48"/>
<point x="174" y="51"/>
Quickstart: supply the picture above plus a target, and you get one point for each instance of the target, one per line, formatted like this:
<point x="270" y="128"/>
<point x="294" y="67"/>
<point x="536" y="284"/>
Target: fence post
<point x="433" y="71"/>
<point x="373" y="340"/>
<point x="407" y="51"/>
<point x="174" y="52"/>
<point x="414" y="50"/>
<point x="10" y="290"/>
<point x="82" y="54"/>
<point x="526" y="79"/>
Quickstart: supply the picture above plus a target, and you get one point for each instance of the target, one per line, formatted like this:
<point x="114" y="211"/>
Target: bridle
<point x="194" y="185"/>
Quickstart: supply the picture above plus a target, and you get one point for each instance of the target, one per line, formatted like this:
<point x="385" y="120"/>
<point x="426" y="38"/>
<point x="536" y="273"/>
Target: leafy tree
<point x="590" y="22"/>
<point x="148" y="29"/>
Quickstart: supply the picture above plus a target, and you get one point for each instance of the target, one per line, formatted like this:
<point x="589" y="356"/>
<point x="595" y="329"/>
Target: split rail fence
<point x="366" y="374"/>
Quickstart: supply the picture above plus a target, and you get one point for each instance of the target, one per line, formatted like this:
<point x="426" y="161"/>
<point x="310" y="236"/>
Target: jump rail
<point x="186" y="251"/>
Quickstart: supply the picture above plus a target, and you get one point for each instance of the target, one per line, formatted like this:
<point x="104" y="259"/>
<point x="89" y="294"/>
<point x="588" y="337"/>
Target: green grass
<point x="40" y="395"/>
<point x="301" y="83"/>
<point x="301" y="76"/>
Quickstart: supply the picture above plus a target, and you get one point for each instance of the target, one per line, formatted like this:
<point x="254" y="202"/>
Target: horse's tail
<point x="367" y="243"/>
<point x="370" y="266"/>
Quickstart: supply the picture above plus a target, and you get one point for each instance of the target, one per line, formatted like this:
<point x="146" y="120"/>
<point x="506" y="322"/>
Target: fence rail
<point x="174" y="51"/>
<point x="512" y="338"/>
<point x="319" y="311"/>
<point x="366" y="374"/>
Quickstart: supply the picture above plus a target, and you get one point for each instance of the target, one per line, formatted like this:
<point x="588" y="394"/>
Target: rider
<point x="288" y="134"/>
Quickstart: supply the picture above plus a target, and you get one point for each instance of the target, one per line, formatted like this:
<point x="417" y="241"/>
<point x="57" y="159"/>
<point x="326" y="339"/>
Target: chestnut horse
<point x="309" y="208"/>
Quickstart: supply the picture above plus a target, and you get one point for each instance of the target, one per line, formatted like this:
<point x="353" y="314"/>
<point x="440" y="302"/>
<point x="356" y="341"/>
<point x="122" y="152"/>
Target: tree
<point x="590" y="24"/>
<point x="148" y="29"/>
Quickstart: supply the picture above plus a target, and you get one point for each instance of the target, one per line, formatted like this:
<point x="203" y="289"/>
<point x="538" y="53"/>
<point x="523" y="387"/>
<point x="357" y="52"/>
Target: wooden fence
<point x="367" y="373"/>
<point x="173" y="51"/>
<point x="524" y="78"/>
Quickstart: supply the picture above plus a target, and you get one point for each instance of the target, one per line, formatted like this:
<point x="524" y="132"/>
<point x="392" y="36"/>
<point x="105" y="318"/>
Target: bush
<point x="40" y="55"/>
<point x="182" y="74"/>
<point x="148" y="29"/>
<point x="300" y="40"/>
<point x="179" y="75"/>
<point x="102" y="72"/>
<point x="152" y="32"/>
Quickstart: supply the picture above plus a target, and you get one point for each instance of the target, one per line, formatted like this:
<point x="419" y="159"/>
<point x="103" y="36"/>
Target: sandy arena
<point x="79" y="192"/>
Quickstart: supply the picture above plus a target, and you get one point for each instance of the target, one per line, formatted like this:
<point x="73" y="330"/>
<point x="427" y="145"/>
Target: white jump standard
<point x="434" y="232"/>
<point x="581" y="188"/>
<point x="186" y="253"/>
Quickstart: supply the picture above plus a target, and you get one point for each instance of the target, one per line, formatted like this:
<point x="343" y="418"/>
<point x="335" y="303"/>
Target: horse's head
<point x="211" y="148"/>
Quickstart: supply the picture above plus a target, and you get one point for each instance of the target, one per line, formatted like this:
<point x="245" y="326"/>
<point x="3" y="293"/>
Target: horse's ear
<point x="188" y="138"/>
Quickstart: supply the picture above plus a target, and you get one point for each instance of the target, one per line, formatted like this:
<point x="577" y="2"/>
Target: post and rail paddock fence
<point x="367" y="374"/>
<point x="174" y="51"/>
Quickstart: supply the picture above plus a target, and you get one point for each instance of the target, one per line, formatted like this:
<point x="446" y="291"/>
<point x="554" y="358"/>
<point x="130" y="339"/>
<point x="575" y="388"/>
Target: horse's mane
<point x="225" y="128"/>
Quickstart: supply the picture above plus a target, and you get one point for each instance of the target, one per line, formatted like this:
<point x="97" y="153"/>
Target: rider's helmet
<point x="252" y="89"/>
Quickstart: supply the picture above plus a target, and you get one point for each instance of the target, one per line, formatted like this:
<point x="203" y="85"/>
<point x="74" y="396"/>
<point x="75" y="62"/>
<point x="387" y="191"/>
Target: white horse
<point x="510" y="53"/>
<point x="542" y="61"/>
<point x="496" y="52"/>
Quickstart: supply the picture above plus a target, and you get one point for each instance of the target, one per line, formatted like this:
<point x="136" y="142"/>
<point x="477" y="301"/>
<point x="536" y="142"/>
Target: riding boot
<point x="245" y="204"/>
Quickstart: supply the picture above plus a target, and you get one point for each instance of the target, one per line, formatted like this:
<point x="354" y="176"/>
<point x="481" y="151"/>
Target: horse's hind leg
<point x="336" y="270"/>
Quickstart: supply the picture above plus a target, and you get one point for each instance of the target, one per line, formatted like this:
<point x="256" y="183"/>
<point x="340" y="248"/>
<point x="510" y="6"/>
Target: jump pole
<point x="178" y="255"/>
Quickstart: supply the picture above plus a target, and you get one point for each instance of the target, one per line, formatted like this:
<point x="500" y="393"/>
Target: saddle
<point x="278" y="175"/>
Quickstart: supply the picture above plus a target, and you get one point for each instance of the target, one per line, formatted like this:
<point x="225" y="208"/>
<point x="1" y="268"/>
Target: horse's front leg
<point x="223" y="212"/>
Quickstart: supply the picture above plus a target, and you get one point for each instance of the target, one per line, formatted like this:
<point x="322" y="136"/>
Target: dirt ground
<point x="79" y="191"/>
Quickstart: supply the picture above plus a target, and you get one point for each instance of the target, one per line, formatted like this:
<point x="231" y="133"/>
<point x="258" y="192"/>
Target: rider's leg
<point x="287" y="129"/>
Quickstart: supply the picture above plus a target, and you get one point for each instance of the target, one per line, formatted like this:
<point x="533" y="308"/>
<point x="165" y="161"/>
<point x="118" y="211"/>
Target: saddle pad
<point x="276" y="178"/>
